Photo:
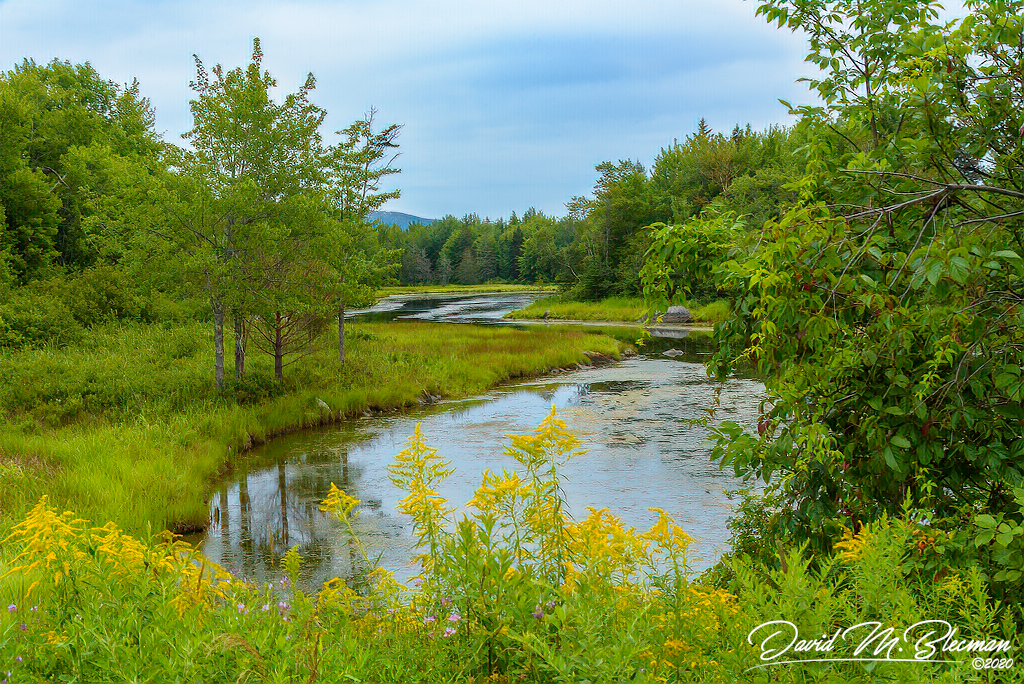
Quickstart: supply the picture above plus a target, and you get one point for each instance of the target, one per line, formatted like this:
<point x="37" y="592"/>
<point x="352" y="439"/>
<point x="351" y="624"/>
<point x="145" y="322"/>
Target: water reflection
<point x="629" y="415"/>
<point x="487" y="307"/>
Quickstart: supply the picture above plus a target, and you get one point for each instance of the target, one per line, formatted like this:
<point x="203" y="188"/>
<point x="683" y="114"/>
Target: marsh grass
<point x="128" y="426"/>
<point x="469" y="289"/>
<point x="711" y="313"/>
<point x="630" y="309"/>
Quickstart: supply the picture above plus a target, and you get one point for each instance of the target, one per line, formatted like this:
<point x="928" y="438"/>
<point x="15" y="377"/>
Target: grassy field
<point x="611" y="309"/>
<point x="128" y="426"/>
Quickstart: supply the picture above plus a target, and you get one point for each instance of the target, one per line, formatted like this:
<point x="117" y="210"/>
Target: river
<point x="631" y="416"/>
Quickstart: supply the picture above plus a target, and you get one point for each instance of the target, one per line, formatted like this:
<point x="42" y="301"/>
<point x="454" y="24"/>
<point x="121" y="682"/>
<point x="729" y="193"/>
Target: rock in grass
<point x="598" y="359"/>
<point x="677" y="314"/>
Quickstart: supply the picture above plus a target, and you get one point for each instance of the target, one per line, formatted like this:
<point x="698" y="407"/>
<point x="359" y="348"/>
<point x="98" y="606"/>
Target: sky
<point x="505" y="104"/>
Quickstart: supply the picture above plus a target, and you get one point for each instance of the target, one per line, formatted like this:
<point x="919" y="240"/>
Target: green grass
<point x="128" y="426"/>
<point x="456" y="289"/>
<point x="611" y="309"/>
<point x="629" y="309"/>
<point x="712" y="313"/>
<point x="506" y="597"/>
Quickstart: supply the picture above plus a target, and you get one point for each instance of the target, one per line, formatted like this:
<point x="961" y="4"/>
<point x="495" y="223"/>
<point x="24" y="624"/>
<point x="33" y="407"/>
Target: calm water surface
<point x="485" y="308"/>
<point x="630" y="416"/>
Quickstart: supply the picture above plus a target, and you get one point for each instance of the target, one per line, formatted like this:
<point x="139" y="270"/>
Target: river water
<point x="631" y="416"/>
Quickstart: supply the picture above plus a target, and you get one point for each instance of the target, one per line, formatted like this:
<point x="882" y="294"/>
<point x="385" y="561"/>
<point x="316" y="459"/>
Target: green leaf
<point x="900" y="441"/>
<point x="1004" y="380"/>
<point x="985" y="520"/>
<point x="958" y="269"/>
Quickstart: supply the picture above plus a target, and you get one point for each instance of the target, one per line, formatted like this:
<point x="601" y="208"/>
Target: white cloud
<point x="506" y="104"/>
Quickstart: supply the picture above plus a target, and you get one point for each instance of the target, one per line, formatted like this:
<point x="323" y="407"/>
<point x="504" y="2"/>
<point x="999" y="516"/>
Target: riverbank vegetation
<point x="871" y="257"/>
<point x="127" y="426"/>
<point x="625" y="309"/>
<point x="514" y="590"/>
<point x="451" y="288"/>
<point x="883" y="308"/>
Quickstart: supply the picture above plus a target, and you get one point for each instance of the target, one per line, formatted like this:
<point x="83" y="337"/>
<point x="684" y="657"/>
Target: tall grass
<point x="629" y="309"/>
<point x="712" y="313"/>
<point x="610" y="309"/>
<point x="129" y="427"/>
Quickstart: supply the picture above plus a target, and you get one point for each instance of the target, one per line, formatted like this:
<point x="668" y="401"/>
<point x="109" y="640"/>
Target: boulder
<point x="598" y="359"/>
<point x="677" y="314"/>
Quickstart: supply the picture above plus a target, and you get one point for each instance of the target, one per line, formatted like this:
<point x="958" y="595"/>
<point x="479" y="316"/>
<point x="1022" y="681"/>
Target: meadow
<point x="127" y="425"/>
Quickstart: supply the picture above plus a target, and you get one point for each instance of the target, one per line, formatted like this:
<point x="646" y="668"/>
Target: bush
<point x="101" y="293"/>
<point x="31" y="318"/>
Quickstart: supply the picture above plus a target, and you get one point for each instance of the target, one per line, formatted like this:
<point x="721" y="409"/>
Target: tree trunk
<point x="278" y="348"/>
<point x="218" y="340"/>
<point x="341" y="333"/>
<point x="239" y="347"/>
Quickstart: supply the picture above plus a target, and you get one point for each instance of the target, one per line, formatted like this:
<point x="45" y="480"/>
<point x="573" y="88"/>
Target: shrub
<point x="31" y="318"/>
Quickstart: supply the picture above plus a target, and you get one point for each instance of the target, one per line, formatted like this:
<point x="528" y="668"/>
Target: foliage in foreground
<point x="883" y="309"/>
<point x="512" y="590"/>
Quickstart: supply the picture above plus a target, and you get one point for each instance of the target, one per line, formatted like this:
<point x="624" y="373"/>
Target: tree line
<point x="597" y="248"/>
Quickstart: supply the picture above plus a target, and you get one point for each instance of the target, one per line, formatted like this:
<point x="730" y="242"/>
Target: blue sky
<point x="505" y="104"/>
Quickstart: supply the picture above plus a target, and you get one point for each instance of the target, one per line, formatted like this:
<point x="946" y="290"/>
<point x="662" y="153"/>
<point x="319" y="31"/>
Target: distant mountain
<point x="398" y="218"/>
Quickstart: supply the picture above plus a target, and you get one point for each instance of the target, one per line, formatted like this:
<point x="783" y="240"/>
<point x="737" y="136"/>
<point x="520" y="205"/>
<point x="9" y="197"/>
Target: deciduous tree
<point x="249" y="155"/>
